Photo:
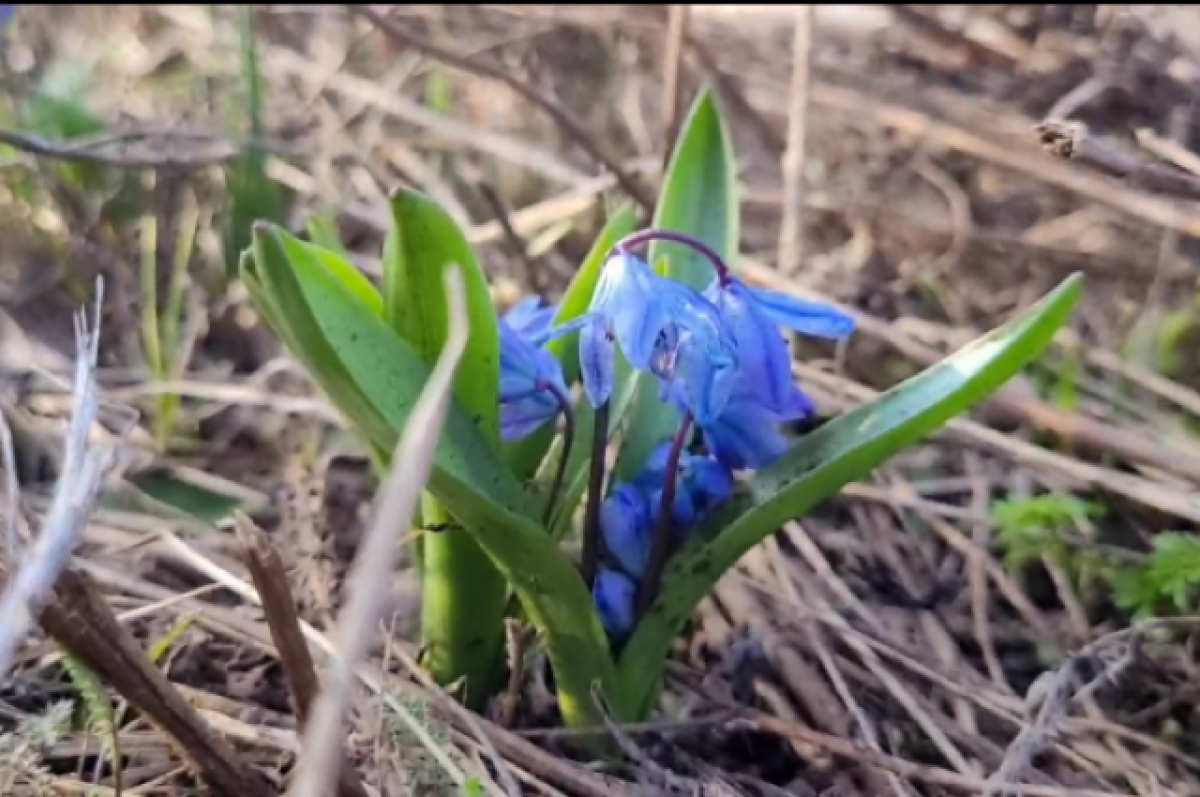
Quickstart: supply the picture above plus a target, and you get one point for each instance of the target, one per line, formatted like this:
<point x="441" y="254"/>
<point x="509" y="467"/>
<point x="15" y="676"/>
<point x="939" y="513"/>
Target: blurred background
<point x="935" y="168"/>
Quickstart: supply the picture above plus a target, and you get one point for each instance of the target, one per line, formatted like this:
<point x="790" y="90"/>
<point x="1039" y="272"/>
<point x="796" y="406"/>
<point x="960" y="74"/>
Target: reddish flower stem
<point x="660" y="547"/>
<point x="724" y="275"/>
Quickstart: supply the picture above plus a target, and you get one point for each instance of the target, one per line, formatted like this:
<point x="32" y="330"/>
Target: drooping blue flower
<point x="613" y="593"/>
<point x="702" y="483"/>
<point x="625" y="521"/>
<point x="754" y="316"/>
<point x="663" y="327"/>
<point x="746" y="433"/>
<point x="531" y="379"/>
<point x="630" y="515"/>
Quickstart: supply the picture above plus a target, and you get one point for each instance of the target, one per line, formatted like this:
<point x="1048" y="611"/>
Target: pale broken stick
<point x="74" y="496"/>
<point x="370" y="579"/>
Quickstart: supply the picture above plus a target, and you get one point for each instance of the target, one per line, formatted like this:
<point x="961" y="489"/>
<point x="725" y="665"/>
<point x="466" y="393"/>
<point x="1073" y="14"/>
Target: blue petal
<point x="745" y="436"/>
<point x="683" y="511"/>
<point x="518" y="364"/>
<point x="596" y="361"/>
<point x="709" y="483"/>
<point x="704" y="379"/>
<point x="613" y="593"/>
<point x="522" y="310"/>
<point x="703" y="368"/>
<point x="521" y="418"/>
<point x="528" y="378"/>
<point x="631" y="296"/>
<point x="705" y="481"/>
<point x="625" y="521"/>
<point x="525" y="367"/>
<point x="653" y="472"/>
<point x="529" y="318"/>
<point x="764" y="360"/>
<point x="808" y="318"/>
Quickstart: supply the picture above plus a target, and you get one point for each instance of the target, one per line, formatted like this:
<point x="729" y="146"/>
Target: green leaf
<point x="1172" y="570"/>
<point x="341" y="268"/>
<point x="378" y="375"/>
<point x="463" y="595"/>
<point x="253" y="196"/>
<point x="275" y="285"/>
<point x="425" y="240"/>
<point x="191" y="499"/>
<point x="699" y="195"/>
<point x="841" y="451"/>
<point x="323" y="231"/>
<point x="699" y="198"/>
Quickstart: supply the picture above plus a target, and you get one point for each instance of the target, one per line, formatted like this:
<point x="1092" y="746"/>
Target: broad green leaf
<point x="253" y="196"/>
<point x="699" y="198"/>
<point x="425" y="240"/>
<point x="463" y="595"/>
<point x="524" y="456"/>
<point x="841" y="451"/>
<point x="360" y="360"/>
<point x="191" y="499"/>
<point x="374" y="366"/>
<point x="699" y="195"/>
<point x="347" y="274"/>
<point x="275" y="285"/>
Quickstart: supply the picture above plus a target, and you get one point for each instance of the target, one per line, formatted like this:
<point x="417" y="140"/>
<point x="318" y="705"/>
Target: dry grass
<point x="879" y="646"/>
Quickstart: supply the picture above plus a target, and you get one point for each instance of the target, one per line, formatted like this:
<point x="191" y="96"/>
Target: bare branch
<point x="1073" y="141"/>
<point x="560" y="116"/>
<point x="1052" y="695"/>
<point x="160" y="148"/>
<point x="271" y="583"/>
<point x="791" y="233"/>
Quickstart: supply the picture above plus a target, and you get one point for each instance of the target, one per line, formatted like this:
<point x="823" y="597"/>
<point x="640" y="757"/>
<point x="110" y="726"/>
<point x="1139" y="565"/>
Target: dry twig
<point x="1052" y="695"/>
<point x="677" y="21"/>
<point x="79" y="619"/>
<point x="791" y="233"/>
<point x="1073" y="141"/>
<point x="551" y="108"/>
<point x="270" y="581"/>
<point x="132" y="149"/>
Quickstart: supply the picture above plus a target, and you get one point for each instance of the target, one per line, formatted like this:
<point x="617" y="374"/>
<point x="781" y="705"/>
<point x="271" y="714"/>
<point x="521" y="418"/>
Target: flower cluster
<point x="632" y="513"/>
<point x="719" y="357"/>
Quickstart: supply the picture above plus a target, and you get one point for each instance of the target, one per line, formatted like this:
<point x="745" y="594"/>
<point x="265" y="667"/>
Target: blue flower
<point x="663" y="327"/>
<point x="625" y="521"/>
<point x="702" y="483"/>
<point x="746" y="433"/>
<point x="614" y="593"/>
<point x="630" y="515"/>
<point x="696" y="356"/>
<point x="531" y="380"/>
